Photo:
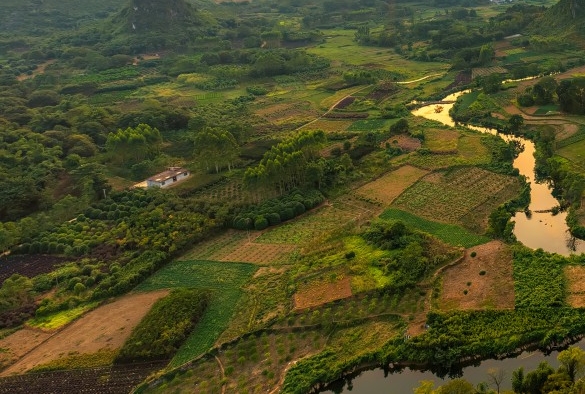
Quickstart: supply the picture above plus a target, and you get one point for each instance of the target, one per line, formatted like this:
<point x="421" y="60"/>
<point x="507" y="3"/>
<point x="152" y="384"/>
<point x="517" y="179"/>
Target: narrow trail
<point x="420" y="79"/>
<point x="333" y="106"/>
<point x="222" y="373"/>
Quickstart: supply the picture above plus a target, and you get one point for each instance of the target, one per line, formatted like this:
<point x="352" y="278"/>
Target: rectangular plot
<point x="391" y="185"/>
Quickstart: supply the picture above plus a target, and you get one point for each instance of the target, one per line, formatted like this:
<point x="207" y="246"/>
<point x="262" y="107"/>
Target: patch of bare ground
<point x="319" y="293"/>
<point x="567" y="130"/>
<point x="464" y="286"/>
<point x="404" y="142"/>
<point x="389" y="186"/>
<point x="106" y="327"/>
<point x="40" y="70"/>
<point x="576" y="280"/>
<point x="16" y="345"/>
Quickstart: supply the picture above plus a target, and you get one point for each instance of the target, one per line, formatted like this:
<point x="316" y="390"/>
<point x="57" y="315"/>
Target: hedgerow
<point x="162" y="331"/>
<point x="274" y="211"/>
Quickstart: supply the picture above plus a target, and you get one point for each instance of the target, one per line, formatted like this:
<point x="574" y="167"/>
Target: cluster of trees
<point x="289" y="164"/>
<point x="274" y="211"/>
<point x="166" y="326"/>
<point x="134" y="144"/>
<point x="215" y="147"/>
<point x="410" y="259"/>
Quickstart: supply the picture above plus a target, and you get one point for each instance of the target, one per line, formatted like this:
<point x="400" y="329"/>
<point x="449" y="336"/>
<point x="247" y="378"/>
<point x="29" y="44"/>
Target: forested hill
<point x="158" y="16"/>
<point x="564" y="18"/>
<point x="38" y="16"/>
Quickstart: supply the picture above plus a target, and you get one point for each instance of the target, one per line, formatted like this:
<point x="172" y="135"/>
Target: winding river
<point x="541" y="229"/>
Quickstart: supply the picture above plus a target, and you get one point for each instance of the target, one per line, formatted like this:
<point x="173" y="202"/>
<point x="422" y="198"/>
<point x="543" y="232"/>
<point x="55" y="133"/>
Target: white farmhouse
<point x="168" y="177"/>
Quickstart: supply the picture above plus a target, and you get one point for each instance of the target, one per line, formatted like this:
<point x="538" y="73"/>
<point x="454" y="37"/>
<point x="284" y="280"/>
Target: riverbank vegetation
<point x="320" y="217"/>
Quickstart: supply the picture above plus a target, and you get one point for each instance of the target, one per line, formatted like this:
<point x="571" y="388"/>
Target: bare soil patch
<point x="576" y="280"/>
<point x="493" y="290"/>
<point x="319" y="293"/>
<point x="404" y="142"/>
<point x="386" y="188"/>
<point x="40" y="70"/>
<point x="106" y="327"/>
<point x="15" y="346"/>
<point x="566" y="131"/>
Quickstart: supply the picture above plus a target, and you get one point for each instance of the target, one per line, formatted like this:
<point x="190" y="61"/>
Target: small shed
<point x="168" y="177"/>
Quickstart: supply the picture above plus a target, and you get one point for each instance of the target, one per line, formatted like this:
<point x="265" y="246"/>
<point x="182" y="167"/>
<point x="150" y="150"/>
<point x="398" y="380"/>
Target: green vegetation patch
<point x="369" y="124"/>
<point x="346" y="347"/>
<point x="574" y="152"/>
<point x="577" y="137"/>
<point x="166" y="326"/>
<point x="60" y="319"/>
<point x="538" y="279"/>
<point x="449" y="233"/>
<point x="78" y="361"/>
<point x="309" y="226"/>
<point x="545" y="109"/>
<point x="223" y="279"/>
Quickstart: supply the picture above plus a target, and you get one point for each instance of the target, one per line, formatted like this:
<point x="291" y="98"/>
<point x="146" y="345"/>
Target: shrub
<point x="482" y="272"/>
<point x="273" y="218"/>
<point x="260" y="223"/>
<point x="473" y="254"/>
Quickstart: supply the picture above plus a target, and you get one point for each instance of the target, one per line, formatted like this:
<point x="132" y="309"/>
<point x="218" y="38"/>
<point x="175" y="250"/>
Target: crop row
<point x="106" y="380"/>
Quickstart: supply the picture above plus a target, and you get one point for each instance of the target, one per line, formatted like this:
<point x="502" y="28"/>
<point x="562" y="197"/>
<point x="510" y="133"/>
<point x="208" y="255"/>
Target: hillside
<point x="144" y="25"/>
<point x="564" y="18"/>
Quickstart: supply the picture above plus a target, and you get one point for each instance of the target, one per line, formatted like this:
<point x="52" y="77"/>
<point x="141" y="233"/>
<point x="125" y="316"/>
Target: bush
<point x="260" y="223"/>
<point x="273" y="218"/>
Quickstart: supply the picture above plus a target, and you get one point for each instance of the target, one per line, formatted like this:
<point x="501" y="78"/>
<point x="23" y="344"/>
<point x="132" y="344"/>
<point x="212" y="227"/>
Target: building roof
<point x="168" y="174"/>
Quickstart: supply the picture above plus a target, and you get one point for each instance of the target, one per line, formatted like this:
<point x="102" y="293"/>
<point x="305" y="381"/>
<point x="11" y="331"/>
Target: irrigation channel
<point x="541" y="229"/>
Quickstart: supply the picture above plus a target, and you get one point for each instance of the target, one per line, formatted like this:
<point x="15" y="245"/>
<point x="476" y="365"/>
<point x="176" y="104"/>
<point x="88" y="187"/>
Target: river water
<point x="539" y="230"/>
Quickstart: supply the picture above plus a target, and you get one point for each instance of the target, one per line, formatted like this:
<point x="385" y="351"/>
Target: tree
<point x="456" y="386"/>
<point x="572" y="361"/>
<point x="216" y="147"/>
<point x="496" y="376"/>
<point x="134" y="144"/>
<point x="515" y="122"/>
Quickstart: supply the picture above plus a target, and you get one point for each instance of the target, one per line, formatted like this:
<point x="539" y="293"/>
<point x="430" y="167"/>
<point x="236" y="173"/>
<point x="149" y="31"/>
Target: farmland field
<point x="369" y="124"/>
<point x="329" y="126"/>
<point x="451" y="234"/>
<point x="225" y="280"/>
<point x="441" y="141"/>
<point x="309" y="226"/>
<point x="386" y="188"/>
<point x="119" y="379"/>
<point x="463" y="287"/>
<point x="575" y="151"/>
<point x="318" y="293"/>
<point x="455" y="196"/>
<point x="28" y="265"/>
<point x="104" y="328"/>
<point x="575" y="276"/>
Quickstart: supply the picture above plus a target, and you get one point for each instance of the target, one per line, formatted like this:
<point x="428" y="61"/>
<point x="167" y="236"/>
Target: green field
<point x="308" y="226"/>
<point x="369" y="124"/>
<point x="449" y="233"/>
<point x="455" y="195"/>
<point x="575" y="152"/>
<point x="224" y="279"/>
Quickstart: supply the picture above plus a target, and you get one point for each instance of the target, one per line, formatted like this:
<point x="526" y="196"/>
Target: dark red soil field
<point x="119" y="379"/>
<point x="28" y="265"/>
